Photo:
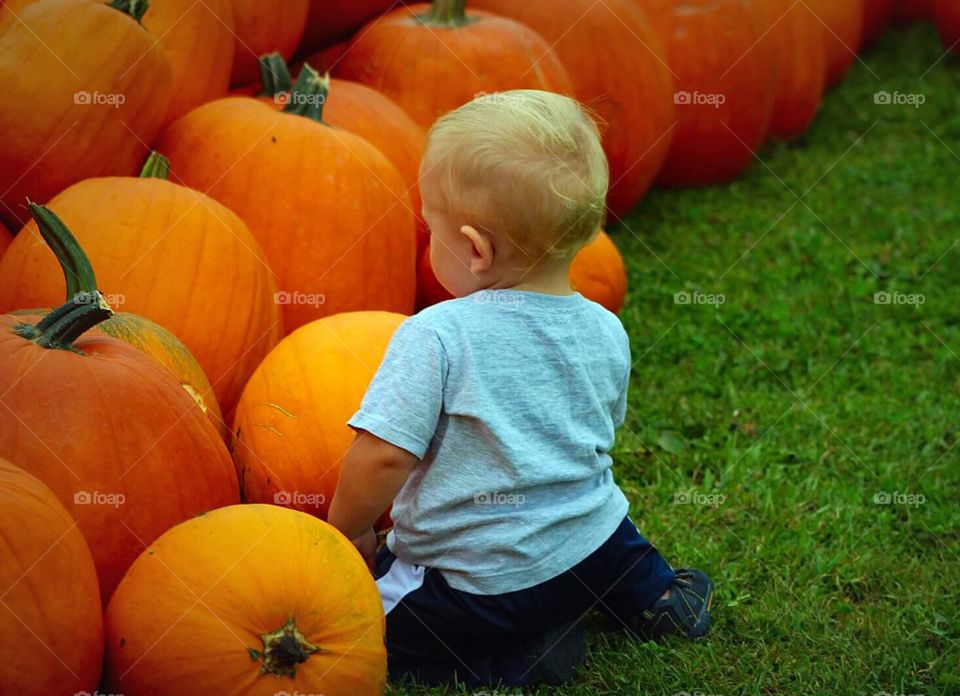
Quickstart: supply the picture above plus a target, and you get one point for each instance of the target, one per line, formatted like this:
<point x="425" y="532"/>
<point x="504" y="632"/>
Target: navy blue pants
<point x="436" y="634"/>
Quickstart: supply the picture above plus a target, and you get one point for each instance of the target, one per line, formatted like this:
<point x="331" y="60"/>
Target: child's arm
<point x="372" y="474"/>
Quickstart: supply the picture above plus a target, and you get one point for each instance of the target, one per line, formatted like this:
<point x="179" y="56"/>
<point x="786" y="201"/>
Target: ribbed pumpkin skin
<point x="631" y="88"/>
<point x="908" y="11"/>
<point x="844" y="37"/>
<point x="797" y="38"/>
<point x="51" y="628"/>
<point x="329" y="209"/>
<point x="255" y="567"/>
<point x="264" y="26"/>
<point x="328" y="20"/>
<point x="105" y="51"/>
<point x="876" y="17"/>
<point x="712" y="48"/>
<point x="597" y="273"/>
<point x="176" y="256"/>
<point x="443" y="68"/>
<point x="71" y="421"/>
<point x="946" y="15"/>
<point x="290" y="431"/>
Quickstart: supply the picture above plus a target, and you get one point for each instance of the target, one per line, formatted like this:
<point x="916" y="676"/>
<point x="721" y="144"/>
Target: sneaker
<point x="555" y="655"/>
<point x="684" y="611"/>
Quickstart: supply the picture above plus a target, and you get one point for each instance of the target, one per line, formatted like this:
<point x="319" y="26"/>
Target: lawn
<point x="788" y="431"/>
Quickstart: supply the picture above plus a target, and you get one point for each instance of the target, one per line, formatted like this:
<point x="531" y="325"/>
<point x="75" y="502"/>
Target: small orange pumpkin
<point x="251" y="599"/>
<point x="69" y="399"/>
<point x="291" y="428"/>
<point x="51" y="628"/>
<point x="89" y="107"/>
<point x="449" y="56"/>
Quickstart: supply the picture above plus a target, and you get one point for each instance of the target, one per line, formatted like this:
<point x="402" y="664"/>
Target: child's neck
<point x="553" y="279"/>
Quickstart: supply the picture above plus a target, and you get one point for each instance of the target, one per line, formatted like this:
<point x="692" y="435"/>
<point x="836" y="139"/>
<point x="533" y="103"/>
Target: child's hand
<point x="366" y="544"/>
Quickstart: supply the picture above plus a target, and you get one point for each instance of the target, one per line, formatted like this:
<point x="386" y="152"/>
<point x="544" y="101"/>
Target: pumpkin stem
<point x="77" y="271"/>
<point x="156" y="167"/>
<point x="274" y="76"/>
<point x="85" y="306"/>
<point x="284" y="649"/>
<point x="446" y="13"/>
<point x="134" y="8"/>
<point x="309" y="94"/>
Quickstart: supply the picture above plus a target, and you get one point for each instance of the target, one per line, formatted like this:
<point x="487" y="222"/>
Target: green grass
<point x="799" y="399"/>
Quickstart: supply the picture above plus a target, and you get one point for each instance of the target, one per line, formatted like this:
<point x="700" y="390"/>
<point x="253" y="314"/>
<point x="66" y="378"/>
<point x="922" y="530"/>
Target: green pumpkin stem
<point x="85" y="306"/>
<point x="309" y="94"/>
<point x="283" y="650"/>
<point x="446" y="13"/>
<point x="274" y="76"/>
<point x="156" y="167"/>
<point x="134" y="8"/>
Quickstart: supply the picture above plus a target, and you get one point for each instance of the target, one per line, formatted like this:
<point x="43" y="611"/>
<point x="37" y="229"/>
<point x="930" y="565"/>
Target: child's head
<point x="513" y="183"/>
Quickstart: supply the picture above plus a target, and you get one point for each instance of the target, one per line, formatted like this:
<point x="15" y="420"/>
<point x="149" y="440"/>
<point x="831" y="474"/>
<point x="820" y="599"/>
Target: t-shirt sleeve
<point x="403" y="402"/>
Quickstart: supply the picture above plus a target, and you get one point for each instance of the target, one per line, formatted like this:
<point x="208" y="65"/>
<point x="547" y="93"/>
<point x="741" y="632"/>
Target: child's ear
<point x="481" y="249"/>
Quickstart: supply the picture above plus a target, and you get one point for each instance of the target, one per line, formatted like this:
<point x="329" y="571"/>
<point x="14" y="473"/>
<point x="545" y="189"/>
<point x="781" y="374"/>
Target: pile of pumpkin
<point x="261" y="236"/>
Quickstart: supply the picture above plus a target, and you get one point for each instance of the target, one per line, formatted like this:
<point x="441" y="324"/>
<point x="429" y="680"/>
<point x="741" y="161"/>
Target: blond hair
<point x="525" y="163"/>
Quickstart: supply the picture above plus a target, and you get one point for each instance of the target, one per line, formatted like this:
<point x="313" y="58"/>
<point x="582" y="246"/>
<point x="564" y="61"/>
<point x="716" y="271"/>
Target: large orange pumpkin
<point x="291" y="428"/>
<point x="328" y="20"/>
<point x="51" y="628"/>
<point x="198" y="40"/>
<point x="908" y="11"/>
<point x="844" y="23"/>
<point x="597" y="273"/>
<point x="876" y="17"/>
<point x="449" y="56"/>
<point x="88" y="107"/>
<point x="329" y="209"/>
<point x="264" y="26"/>
<point x="127" y="451"/>
<point x="170" y="254"/>
<point x="248" y="599"/>
<point x="797" y="39"/>
<point x="946" y="15"/>
<point x="630" y="88"/>
<point x="726" y="84"/>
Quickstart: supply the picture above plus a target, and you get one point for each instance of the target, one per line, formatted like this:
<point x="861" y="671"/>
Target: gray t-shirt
<point x="511" y="400"/>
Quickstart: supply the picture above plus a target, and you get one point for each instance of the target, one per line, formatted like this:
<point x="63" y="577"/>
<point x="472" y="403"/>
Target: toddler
<point x="489" y="423"/>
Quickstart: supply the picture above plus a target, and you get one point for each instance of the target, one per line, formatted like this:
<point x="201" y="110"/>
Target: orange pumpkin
<point x="70" y="401"/>
<point x="797" y="39"/>
<point x="172" y="255"/>
<point x="908" y="11"/>
<point x="726" y="84"/>
<point x="876" y="17"/>
<point x="844" y="22"/>
<point x="946" y="15"/>
<point x="631" y="88"/>
<point x="51" y="629"/>
<point x="250" y="599"/>
<point x="597" y="273"/>
<point x="328" y="20"/>
<point x="290" y="431"/>
<point x="449" y="57"/>
<point x="330" y="211"/>
<point x="264" y="26"/>
<point x="100" y="101"/>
